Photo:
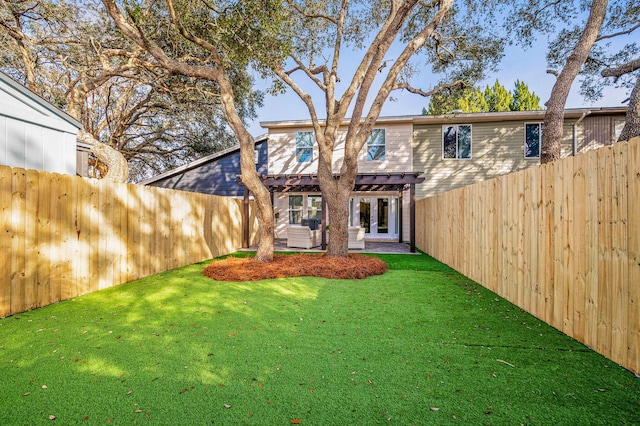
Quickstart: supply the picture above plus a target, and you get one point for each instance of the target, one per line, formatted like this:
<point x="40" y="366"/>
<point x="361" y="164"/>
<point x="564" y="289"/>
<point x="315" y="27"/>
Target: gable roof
<point x="22" y="103"/>
<point x="199" y="162"/>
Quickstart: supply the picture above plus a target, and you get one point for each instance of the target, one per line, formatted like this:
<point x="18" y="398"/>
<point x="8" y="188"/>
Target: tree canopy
<point x="72" y="54"/>
<point x="389" y="42"/>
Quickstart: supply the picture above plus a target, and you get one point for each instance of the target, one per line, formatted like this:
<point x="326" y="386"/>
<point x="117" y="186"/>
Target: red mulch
<point x="355" y="266"/>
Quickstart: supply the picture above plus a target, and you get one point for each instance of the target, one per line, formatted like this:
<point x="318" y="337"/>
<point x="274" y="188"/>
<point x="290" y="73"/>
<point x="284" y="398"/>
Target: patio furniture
<point x="300" y="236"/>
<point x="356" y="237"/>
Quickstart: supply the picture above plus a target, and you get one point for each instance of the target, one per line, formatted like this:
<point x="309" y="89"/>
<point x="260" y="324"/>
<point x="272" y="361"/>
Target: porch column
<point x="412" y="218"/>
<point x="245" y="218"/>
<point x="400" y="216"/>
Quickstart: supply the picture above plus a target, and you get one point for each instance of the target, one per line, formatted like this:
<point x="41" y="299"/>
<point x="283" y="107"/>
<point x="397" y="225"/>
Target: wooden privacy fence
<point x="561" y="241"/>
<point x="63" y="236"/>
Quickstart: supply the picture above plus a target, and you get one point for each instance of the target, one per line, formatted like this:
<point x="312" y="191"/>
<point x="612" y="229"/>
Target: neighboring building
<point x="454" y="150"/>
<point x="215" y="174"/>
<point x="35" y="134"/>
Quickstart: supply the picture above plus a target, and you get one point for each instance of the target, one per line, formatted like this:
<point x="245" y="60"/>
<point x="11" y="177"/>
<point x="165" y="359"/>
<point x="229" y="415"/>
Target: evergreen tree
<point x="523" y="99"/>
<point x="492" y="99"/>
<point x="498" y="98"/>
<point x="472" y="101"/>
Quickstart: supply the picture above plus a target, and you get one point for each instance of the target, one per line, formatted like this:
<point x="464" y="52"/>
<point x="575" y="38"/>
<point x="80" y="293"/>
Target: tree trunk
<point x="554" y="117"/>
<point x="632" y="123"/>
<point x="218" y="74"/>
<point x="338" y="207"/>
<point x="117" y="166"/>
<point x="250" y="177"/>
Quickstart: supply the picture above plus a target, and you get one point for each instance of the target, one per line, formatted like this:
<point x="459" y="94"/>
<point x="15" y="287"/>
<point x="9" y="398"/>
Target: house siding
<point x="216" y="177"/>
<point x="33" y="133"/>
<point x="398" y="147"/>
<point x="600" y="130"/>
<point x="496" y="149"/>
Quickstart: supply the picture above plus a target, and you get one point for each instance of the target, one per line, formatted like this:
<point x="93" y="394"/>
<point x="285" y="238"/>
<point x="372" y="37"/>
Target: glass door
<point x="377" y="215"/>
<point x="365" y="214"/>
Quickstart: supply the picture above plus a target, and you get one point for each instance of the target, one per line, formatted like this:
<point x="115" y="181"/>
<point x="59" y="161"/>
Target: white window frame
<point x="540" y="128"/>
<point x="299" y="147"/>
<point x="291" y="210"/>
<point x="370" y="145"/>
<point x="310" y="208"/>
<point x="458" y="126"/>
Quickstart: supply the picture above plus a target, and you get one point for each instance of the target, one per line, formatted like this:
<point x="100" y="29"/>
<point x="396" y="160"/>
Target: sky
<point x="518" y="64"/>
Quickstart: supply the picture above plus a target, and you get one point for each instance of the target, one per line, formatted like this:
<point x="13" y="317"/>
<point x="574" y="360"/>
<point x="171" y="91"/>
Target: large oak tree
<point x="383" y="38"/>
<point x="216" y="41"/>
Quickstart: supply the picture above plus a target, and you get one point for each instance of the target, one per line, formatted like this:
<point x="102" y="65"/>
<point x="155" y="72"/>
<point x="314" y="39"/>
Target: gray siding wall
<point x="496" y="149"/>
<point x="216" y="177"/>
<point x="32" y="137"/>
<point x="30" y="146"/>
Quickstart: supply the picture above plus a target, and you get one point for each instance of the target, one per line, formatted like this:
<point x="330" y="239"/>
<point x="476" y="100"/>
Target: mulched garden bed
<point x="355" y="266"/>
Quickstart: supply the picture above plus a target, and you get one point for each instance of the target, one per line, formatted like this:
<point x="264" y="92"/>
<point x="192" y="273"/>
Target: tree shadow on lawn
<point x="407" y="347"/>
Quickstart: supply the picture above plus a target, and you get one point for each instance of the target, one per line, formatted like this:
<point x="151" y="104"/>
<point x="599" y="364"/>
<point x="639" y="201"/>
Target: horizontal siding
<point x="215" y="177"/>
<point x="495" y="150"/>
<point x="598" y="131"/>
<point x="398" y="152"/>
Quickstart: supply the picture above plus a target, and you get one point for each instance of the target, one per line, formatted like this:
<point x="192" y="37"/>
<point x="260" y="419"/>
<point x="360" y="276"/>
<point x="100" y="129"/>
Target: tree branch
<point x="411" y="89"/>
<point x="629" y="31"/>
<point x="627" y="68"/>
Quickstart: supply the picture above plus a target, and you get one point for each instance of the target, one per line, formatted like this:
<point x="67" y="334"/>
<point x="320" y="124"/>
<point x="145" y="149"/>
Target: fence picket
<point x="6" y="233"/>
<point x="62" y="236"/>
<point x="562" y="241"/>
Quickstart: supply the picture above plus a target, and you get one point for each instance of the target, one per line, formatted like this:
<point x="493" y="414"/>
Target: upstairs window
<point x="376" y="146"/>
<point x="532" y="140"/>
<point x="304" y="147"/>
<point x="456" y="141"/>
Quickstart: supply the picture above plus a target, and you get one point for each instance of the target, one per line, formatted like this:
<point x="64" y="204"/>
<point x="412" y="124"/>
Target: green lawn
<point x="420" y="345"/>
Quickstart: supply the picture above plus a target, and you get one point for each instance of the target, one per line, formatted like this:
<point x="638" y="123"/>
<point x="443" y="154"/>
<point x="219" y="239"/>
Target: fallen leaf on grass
<point x="435" y="409"/>
<point x="505" y="362"/>
<point x="296" y="421"/>
<point x="52" y="417"/>
<point x="227" y="406"/>
<point x="26" y="393"/>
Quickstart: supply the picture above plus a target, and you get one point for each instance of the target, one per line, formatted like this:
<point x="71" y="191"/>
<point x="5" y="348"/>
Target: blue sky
<point x="526" y="65"/>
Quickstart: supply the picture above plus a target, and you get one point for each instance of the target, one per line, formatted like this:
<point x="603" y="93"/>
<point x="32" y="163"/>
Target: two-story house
<point x="429" y="153"/>
<point x="382" y="197"/>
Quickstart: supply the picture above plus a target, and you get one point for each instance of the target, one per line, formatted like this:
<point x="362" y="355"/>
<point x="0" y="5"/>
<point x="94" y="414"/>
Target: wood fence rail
<point x="63" y="236"/>
<point x="561" y="241"/>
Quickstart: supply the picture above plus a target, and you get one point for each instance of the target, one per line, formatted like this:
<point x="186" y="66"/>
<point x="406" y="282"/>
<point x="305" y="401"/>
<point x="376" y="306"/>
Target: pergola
<point x="365" y="182"/>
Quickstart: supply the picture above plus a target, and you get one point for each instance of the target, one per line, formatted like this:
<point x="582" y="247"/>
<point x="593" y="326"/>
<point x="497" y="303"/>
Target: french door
<point x="378" y="215"/>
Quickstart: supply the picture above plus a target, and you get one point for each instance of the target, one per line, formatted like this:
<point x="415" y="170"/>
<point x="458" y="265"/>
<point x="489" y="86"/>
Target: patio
<point x="370" y="247"/>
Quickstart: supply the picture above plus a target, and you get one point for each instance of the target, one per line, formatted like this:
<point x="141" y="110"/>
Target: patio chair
<point x="356" y="237"/>
<point x="300" y="236"/>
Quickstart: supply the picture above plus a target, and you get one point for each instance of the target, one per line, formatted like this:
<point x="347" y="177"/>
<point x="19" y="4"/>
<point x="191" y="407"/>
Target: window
<point x="376" y="150"/>
<point x="304" y="147"/>
<point x="456" y="141"/>
<point x="314" y="207"/>
<point x="532" y="140"/>
<point x="295" y="209"/>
